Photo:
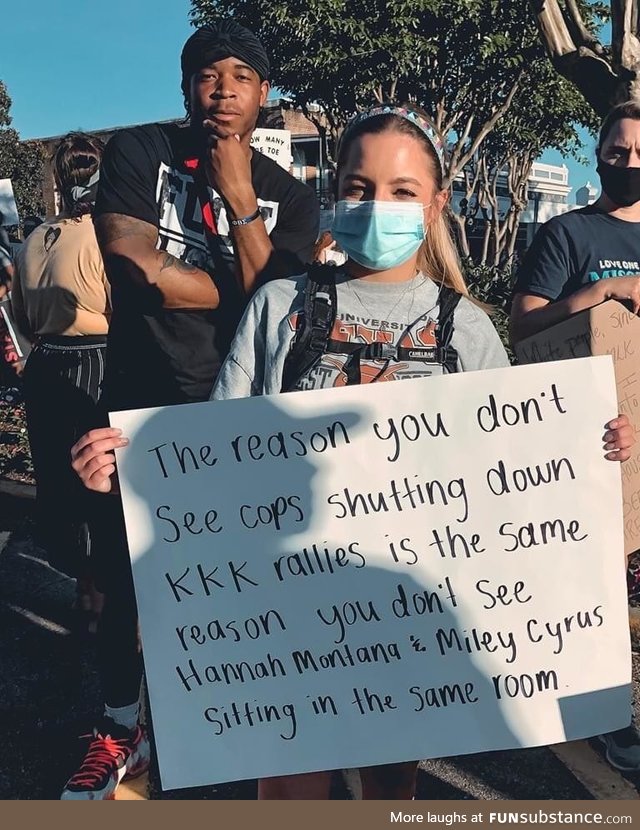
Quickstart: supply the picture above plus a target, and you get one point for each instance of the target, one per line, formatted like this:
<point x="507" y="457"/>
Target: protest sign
<point x="611" y="329"/>
<point x="20" y="346"/>
<point x="276" y="144"/>
<point x="8" y="206"/>
<point x="379" y="573"/>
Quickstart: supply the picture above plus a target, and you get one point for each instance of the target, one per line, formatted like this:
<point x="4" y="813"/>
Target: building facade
<point x="309" y="156"/>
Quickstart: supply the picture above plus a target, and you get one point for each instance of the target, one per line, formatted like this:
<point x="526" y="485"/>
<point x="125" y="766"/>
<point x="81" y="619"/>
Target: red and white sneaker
<point x="114" y="753"/>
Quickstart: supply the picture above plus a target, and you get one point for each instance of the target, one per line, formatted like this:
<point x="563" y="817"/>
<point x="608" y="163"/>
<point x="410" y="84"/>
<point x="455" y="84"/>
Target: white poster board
<point x="380" y="573"/>
<point x="8" y="206"/>
<point x="276" y="144"/>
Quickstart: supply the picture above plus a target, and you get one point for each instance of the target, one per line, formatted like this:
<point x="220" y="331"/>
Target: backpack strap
<point x="314" y="326"/>
<point x="443" y="352"/>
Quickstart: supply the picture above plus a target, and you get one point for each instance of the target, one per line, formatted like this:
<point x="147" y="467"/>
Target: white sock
<point x="126" y="716"/>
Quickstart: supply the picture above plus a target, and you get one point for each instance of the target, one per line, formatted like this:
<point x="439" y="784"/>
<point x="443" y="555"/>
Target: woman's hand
<point x="619" y="439"/>
<point x="94" y="461"/>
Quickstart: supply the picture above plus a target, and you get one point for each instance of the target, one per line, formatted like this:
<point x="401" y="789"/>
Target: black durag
<point x="217" y="41"/>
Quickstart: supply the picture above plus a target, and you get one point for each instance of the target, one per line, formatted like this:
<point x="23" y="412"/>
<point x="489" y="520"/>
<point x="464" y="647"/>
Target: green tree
<point x="22" y="162"/>
<point x="465" y="61"/>
<point x="462" y="60"/>
<point x="545" y="114"/>
<point x="478" y="66"/>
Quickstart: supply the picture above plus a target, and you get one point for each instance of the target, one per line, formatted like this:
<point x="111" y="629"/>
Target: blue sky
<point x="89" y="64"/>
<point x="105" y="64"/>
<point x="579" y="173"/>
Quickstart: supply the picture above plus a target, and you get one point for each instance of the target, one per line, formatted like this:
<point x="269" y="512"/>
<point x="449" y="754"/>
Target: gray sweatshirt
<point x="400" y="313"/>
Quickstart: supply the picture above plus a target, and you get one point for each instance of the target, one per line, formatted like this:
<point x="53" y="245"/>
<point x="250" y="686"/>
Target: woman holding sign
<point x="399" y="308"/>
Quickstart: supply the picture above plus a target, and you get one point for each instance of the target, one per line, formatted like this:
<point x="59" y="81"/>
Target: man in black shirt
<point x="189" y="220"/>
<point x="584" y="257"/>
<point x="581" y="259"/>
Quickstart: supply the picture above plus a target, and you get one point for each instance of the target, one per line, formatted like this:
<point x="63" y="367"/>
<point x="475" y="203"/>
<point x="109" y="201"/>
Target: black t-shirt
<point x="576" y="249"/>
<point x="158" y="356"/>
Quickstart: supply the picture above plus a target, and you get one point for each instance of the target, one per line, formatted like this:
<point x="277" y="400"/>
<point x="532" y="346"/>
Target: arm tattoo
<point x="169" y="261"/>
<point x="113" y="226"/>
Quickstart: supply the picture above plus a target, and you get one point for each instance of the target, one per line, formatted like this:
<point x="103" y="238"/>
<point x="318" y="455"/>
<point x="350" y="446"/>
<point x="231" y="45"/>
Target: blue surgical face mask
<point x="379" y="235"/>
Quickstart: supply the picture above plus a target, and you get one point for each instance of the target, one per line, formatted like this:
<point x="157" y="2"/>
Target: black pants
<point x="62" y="381"/>
<point x="119" y="655"/>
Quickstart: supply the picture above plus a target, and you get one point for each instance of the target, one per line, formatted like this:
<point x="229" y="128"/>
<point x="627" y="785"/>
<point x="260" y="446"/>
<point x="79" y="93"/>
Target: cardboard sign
<point x="611" y="329"/>
<point x="378" y="573"/>
<point x="276" y="144"/>
<point x="8" y="206"/>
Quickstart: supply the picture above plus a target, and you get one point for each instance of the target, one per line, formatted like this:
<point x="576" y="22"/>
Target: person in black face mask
<point x="579" y="260"/>
<point x="587" y="256"/>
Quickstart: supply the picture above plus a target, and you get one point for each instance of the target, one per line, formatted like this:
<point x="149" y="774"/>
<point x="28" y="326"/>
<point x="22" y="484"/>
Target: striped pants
<point x="62" y="380"/>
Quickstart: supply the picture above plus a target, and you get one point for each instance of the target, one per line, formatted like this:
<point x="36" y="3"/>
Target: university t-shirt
<point x="159" y="356"/>
<point x="577" y="249"/>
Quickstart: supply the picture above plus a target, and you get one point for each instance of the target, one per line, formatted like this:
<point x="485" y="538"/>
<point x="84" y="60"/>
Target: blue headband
<point x="409" y="115"/>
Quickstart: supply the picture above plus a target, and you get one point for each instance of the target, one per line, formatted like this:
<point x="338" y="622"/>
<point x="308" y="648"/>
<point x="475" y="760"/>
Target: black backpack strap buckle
<point x="314" y="325"/>
<point x="379" y="351"/>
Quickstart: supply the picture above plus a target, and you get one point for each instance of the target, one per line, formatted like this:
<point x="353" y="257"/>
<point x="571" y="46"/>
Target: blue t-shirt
<point x="577" y="249"/>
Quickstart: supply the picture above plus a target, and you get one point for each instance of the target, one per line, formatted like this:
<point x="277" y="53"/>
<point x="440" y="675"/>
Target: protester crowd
<point x="172" y="275"/>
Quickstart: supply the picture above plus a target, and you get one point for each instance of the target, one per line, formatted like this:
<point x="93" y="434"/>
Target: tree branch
<point x="553" y="28"/>
<point x="624" y="35"/>
<point x="455" y="164"/>
<point x="580" y="32"/>
<point x="487" y="127"/>
<point x="577" y="62"/>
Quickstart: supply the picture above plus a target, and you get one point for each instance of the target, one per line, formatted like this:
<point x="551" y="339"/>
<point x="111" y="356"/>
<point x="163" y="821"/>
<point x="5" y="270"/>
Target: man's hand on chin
<point x="229" y="170"/>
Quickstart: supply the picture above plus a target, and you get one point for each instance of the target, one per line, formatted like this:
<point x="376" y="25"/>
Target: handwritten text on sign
<point x="372" y="574"/>
<point x="276" y="144"/>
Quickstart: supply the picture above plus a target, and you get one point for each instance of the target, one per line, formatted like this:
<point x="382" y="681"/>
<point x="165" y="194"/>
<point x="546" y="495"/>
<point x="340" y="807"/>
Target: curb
<point x="602" y="781"/>
<point x="17" y="489"/>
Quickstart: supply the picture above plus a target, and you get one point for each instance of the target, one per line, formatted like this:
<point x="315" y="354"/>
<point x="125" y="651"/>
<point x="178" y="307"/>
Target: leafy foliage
<point x="22" y="162"/>
<point x="458" y="59"/>
<point x="492" y="285"/>
<point x="15" y="457"/>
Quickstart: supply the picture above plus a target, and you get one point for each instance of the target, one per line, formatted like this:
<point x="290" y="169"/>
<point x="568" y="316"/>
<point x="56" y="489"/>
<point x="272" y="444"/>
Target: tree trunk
<point x="518" y="180"/>
<point x="625" y="46"/>
<point x="485" y="242"/>
<point x="581" y="59"/>
<point x="463" y="239"/>
<point x="513" y="233"/>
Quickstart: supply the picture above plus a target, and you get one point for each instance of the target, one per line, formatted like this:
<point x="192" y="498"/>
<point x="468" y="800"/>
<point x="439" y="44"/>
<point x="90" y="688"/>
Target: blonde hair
<point x="438" y="255"/>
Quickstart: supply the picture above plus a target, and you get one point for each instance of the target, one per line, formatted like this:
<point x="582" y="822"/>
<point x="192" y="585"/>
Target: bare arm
<point x="252" y="246"/>
<point x="7" y="273"/>
<point x="256" y="256"/>
<point x="229" y="172"/>
<point x="17" y="308"/>
<point x="531" y="314"/>
<point x="130" y="256"/>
